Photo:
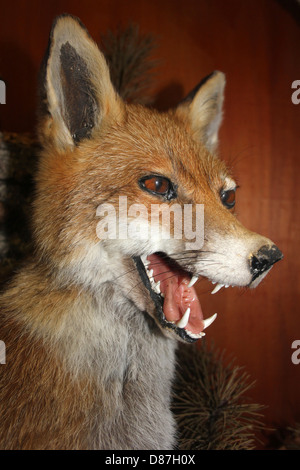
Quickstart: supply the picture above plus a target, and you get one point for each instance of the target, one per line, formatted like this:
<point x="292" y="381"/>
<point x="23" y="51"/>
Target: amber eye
<point x="158" y="185"/>
<point x="228" y="198"/>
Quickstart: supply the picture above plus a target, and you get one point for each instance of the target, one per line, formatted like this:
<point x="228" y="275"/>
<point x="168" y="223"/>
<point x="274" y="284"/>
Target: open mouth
<point x="171" y="289"/>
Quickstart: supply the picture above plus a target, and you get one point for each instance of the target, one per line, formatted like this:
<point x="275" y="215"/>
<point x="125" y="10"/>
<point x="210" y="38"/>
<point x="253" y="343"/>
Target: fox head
<point x="106" y="161"/>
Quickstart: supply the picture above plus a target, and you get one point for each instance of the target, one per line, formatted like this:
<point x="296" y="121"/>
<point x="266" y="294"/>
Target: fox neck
<point x="93" y="323"/>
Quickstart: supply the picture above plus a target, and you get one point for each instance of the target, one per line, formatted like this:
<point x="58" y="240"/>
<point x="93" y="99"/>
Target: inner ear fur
<point x="77" y="91"/>
<point x="202" y="110"/>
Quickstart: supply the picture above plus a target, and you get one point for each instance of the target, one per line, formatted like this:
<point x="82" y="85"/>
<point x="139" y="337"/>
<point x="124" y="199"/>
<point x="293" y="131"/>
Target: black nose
<point x="263" y="259"/>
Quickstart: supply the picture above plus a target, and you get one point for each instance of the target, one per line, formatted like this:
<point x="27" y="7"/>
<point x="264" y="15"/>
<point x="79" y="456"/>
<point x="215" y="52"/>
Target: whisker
<point x="197" y="252"/>
<point x="180" y="256"/>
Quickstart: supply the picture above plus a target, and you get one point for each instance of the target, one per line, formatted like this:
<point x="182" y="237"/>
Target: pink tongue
<point x="177" y="295"/>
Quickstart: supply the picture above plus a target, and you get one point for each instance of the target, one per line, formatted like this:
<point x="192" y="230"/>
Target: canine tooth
<point x="184" y="319"/>
<point x="193" y="281"/>
<point x="217" y="288"/>
<point x="208" y="321"/>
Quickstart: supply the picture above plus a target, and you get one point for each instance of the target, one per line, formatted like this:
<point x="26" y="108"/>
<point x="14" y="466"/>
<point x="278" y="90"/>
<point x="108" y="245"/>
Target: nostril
<point x="263" y="259"/>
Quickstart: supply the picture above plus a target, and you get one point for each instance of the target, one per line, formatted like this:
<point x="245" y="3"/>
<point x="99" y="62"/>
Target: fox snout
<point x="261" y="261"/>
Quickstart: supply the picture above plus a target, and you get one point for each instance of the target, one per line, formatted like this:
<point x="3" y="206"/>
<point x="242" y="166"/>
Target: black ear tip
<point x="189" y="98"/>
<point x="195" y="90"/>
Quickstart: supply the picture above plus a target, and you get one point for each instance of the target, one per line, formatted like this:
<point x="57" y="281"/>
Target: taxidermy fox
<point x="91" y="323"/>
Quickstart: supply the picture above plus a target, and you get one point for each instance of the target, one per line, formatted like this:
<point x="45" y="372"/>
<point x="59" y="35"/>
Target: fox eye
<point x="228" y="198"/>
<point x="158" y="185"/>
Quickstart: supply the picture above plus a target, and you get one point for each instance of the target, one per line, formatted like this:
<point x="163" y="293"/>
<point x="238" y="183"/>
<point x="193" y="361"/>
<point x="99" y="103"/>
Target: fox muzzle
<point x="264" y="259"/>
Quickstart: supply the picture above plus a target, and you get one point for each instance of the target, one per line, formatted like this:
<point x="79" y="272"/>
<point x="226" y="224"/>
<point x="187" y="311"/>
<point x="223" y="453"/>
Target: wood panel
<point x="256" y="43"/>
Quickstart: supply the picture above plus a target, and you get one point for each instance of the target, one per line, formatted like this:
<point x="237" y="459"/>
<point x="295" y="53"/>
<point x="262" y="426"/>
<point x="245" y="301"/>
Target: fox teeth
<point x="150" y="274"/>
<point x="208" y="321"/>
<point x="195" y="335"/>
<point x="156" y="287"/>
<point x="184" y="319"/>
<point x="193" y="281"/>
<point x="145" y="261"/>
<point x="217" y="288"/>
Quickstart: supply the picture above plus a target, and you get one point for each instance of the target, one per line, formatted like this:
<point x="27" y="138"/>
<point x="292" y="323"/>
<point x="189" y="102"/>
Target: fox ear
<point x="77" y="93"/>
<point x="201" y="110"/>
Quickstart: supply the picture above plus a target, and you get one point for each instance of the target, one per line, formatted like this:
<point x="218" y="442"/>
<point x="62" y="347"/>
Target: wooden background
<point x="257" y="44"/>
